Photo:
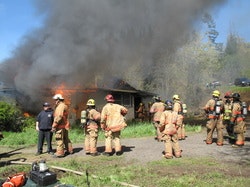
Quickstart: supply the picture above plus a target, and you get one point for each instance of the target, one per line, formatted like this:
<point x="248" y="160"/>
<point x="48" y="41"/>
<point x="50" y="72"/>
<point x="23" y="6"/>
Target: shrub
<point x="10" y="117"/>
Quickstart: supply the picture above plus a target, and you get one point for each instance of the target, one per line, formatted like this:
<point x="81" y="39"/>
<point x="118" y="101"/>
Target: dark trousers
<point x="44" y="134"/>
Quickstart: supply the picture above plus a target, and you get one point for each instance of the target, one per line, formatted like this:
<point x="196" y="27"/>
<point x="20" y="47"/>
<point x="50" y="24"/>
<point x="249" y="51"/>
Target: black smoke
<point x="84" y="38"/>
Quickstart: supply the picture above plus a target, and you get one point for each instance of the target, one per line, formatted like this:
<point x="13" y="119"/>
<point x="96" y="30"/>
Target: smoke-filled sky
<point x="20" y="17"/>
<point x="83" y="38"/>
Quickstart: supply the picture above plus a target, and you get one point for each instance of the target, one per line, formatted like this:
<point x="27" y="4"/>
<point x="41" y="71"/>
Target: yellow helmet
<point x="176" y="97"/>
<point x="91" y="102"/>
<point x="216" y="93"/>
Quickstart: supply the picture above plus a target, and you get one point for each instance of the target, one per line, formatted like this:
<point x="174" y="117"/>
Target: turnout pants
<point x="112" y="137"/>
<point x="90" y="142"/>
<point x="172" y="145"/>
<point x="157" y="130"/>
<point x="239" y="130"/>
<point x="213" y="124"/>
<point x="67" y="142"/>
<point x="63" y="142"/>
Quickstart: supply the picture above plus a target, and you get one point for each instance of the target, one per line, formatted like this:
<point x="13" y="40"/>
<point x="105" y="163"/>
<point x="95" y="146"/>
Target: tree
<point x="236" y="58"/>
<point x="212" y="33"/>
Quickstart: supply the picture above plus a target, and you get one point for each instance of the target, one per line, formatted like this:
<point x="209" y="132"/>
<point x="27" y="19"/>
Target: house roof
<point x="119" y="85"/>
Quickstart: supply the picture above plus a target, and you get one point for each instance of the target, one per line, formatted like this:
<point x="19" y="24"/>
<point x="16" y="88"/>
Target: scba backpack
<point x="16" y="180"/>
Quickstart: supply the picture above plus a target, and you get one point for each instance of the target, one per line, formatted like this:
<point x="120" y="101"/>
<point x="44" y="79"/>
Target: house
<point x="123" y="93"/>
<point x="77" y="97"/>
<point x="7" y="92"/>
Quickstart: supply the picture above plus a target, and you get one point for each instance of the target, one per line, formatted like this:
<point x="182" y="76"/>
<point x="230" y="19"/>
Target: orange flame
<point x="26" y="114"/>
<point x="67" y="92"/>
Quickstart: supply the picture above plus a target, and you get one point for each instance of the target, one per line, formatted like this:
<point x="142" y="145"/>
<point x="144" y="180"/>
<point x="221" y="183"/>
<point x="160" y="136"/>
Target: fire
<point x="26" y="114"/>
<point x="71" y="93"/>
<point x="67" y="92"/>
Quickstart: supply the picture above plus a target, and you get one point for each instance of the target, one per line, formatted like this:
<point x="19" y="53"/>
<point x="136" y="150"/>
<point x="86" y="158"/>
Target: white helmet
<point x="58" y="96"/>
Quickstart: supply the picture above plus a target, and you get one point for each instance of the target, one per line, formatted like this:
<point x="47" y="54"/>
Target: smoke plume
<point x="80" y="39"/>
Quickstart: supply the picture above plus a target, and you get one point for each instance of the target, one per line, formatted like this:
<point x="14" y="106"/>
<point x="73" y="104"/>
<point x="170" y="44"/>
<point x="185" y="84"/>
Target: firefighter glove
<point x="54" y="125"/>
<point x="53" y="129"/>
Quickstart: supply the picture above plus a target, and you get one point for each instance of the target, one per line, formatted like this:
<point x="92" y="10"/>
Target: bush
<point x="10" y="117"/>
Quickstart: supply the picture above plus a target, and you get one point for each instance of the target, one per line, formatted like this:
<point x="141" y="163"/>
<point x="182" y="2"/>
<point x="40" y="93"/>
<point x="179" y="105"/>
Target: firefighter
<point x="168" y="127"/>
<point x="149" y="115"/>
<point x="238" y="120"/>
<point x="141" y="112"/>
<point x="112" y="122"/>
<point x="61" y="126"/>
<point x="91" y="128"/>
<point x="179" y="109"/>
<point x="156" y="110"/>
<point x="214" y="110"/>
<point x="227" y="114"/>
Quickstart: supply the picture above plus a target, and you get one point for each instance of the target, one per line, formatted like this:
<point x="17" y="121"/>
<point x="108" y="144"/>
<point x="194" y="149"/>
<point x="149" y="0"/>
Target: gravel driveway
<point x="147" y="149"/>
<point x="144" y="150"/>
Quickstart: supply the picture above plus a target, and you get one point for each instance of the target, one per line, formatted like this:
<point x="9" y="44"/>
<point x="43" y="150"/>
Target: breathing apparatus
<point x="217" y="107"/>
<point x="244" y="108"/>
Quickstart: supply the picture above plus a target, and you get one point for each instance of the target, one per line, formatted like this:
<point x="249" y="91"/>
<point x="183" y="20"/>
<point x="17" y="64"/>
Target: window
<point x="124" y="99"/>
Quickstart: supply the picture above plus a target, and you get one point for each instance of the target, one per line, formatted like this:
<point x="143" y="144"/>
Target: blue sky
<point x="233" y="17"/>
<point x="19" y="17"/>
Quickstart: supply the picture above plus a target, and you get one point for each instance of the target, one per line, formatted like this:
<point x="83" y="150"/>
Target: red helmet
<point x="228" y="95"/>
<point x="109" y="98"/>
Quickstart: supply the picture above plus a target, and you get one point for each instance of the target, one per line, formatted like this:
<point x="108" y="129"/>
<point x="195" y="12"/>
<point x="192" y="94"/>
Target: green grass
<point x="176" y="172"/>
<point x="240" y="89"/>
<point x="133" y="130"/>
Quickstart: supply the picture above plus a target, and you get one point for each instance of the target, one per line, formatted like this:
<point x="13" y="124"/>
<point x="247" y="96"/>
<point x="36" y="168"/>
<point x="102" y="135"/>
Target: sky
<point x="20" y="17"/>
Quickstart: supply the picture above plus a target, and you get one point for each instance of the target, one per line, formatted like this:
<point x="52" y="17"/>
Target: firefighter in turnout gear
<point x="178" y="108"/>
<point x="227" y="114"/>
<point x="61" y="126"/>
<point x="238" y="120"/>
<point x="156" y="110"/>
<point x="141" y="112"/>
<point x="112" y="122"/>
<point x="91" y="128"/>
<point x="214" y="110"/>
<point x="168" y="128"/>
<point x="149" y="115"/>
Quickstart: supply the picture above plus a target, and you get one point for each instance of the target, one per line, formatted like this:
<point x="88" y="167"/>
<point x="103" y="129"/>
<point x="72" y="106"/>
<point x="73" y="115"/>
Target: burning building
<point x="124" y="94"/>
